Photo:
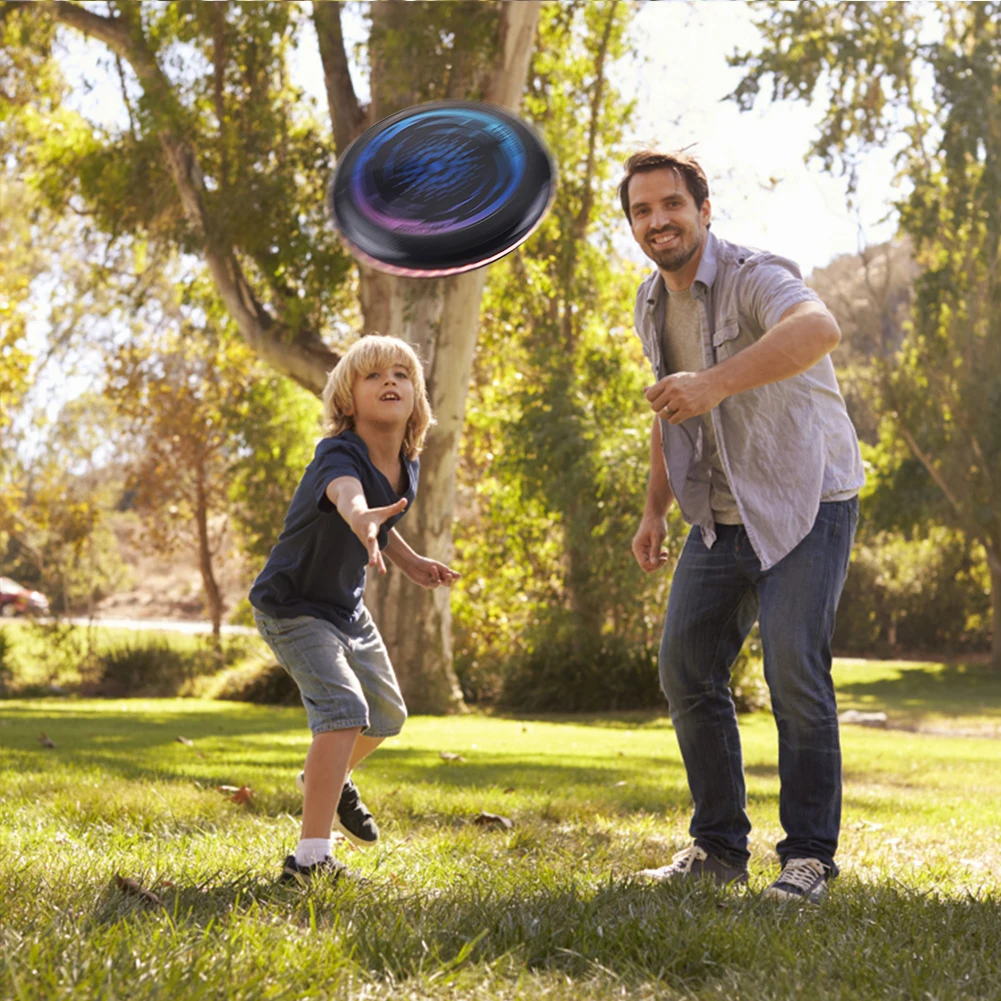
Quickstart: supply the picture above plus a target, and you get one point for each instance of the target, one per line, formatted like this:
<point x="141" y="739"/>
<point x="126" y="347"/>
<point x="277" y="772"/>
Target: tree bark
<point x="440" y="318"/>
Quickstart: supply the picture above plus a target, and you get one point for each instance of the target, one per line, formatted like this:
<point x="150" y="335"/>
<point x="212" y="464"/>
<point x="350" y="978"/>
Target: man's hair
<point x="371" y="354"/>
<point x="647" y="160"/>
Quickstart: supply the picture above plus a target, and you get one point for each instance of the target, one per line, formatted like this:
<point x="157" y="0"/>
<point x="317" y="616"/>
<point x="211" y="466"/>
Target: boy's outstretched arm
<point x="347" y="495"/>
<point x="419" y="569"/>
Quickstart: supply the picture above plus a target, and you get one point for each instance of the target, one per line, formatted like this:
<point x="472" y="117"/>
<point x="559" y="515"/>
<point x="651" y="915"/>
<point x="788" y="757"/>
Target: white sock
<point x="309" y="851"/>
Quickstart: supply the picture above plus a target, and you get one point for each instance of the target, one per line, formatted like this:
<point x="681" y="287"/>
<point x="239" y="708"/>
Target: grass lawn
<point x="454" y="910"/>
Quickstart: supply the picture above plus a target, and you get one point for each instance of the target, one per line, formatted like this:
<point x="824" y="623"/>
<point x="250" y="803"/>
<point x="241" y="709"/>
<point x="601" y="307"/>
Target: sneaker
<point x="695" y="863"/>
<point x="353" y="819"/>
<point x="293" y="872"/>
<point x="800" y="879"/>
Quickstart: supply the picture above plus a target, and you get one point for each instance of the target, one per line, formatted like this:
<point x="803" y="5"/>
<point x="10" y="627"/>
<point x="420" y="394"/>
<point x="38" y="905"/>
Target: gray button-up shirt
<point x="786" y="446"/>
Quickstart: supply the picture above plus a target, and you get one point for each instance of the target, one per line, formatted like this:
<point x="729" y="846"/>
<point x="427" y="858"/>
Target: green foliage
<point x="929" y="594"/>
<point x="940" y="393"/>
<point x="556" y="447"/>
<point x="265" y="684"/>
<point x="261" y="148"/>
<point x="277" y="430"/>
<point x="145" y="670"/>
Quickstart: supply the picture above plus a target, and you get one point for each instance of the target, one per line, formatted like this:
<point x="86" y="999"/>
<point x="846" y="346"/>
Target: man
<point x="752" y="438"/>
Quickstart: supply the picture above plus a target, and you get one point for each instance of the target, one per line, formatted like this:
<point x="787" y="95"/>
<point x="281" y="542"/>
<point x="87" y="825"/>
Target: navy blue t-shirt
<point x="318" y="565"/>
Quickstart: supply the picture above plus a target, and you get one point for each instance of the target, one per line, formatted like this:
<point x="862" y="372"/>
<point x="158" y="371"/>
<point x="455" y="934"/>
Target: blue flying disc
<point x="441" y="188"/>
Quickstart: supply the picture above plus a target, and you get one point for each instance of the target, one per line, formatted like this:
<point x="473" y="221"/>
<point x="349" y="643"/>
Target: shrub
<point x="559" y="675"/>
<point x="150" y="670"/>
<point x="928" y="596"/>
<point x="267" y="684"/>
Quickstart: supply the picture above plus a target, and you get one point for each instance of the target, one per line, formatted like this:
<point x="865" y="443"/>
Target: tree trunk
<point x="212" y="594"/>
<point x="440" y="318"/>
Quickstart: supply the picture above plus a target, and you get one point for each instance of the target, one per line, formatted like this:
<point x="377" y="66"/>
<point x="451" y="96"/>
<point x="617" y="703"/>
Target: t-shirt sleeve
<point x="770" y="288"/>
<point x="333" y="459"/>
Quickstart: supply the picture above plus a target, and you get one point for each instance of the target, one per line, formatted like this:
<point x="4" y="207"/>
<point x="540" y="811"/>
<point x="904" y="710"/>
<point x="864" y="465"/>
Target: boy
<point x="308" y="598"/>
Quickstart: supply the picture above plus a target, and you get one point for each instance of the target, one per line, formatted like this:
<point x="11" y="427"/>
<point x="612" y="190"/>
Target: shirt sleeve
<point x="333" y="459"/>
<point x="770" y="287"/>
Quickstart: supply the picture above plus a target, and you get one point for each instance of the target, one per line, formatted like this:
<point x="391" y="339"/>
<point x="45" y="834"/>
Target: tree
<point x="942" y="391"/>
<point x="220" y="160"/>
<point x="183" y="396"/>
<point x="555" y="461"/>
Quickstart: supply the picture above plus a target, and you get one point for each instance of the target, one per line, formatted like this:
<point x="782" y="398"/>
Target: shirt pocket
<point x="726" y="340"/>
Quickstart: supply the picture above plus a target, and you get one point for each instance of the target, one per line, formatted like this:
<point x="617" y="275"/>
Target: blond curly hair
<point x="375" y="352"/>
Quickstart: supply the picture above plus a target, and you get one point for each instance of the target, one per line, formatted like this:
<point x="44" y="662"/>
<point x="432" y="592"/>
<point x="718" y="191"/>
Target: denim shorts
<point x="345" y="682"/>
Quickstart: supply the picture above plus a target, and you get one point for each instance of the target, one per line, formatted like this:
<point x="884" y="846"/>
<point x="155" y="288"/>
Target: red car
<point x="17" y="600"/>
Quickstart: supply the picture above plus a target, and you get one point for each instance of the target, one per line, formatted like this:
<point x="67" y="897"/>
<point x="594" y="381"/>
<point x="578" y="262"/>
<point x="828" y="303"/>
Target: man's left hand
<point x="684" y="394"/>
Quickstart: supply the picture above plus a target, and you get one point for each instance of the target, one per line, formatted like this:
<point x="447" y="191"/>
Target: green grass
<point x="453" y="910"/>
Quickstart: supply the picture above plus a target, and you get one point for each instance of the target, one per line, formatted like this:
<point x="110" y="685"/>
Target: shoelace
<point x="801" y="873"/>
<point x="686" y="858"/>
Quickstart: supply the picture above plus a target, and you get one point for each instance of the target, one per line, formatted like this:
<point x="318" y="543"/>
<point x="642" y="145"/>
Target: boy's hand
<point x="430" y="573"/>
<point x="366" y="524"/>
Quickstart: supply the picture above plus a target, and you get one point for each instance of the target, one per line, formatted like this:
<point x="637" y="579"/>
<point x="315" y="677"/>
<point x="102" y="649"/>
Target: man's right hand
<point x="648" y="543"/>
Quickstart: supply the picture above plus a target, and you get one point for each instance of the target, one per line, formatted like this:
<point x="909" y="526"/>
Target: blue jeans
<point x="716" y="595"/>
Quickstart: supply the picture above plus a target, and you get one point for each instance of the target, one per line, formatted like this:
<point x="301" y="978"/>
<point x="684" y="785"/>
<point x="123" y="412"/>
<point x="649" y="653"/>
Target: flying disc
<point x="441" y="188"/>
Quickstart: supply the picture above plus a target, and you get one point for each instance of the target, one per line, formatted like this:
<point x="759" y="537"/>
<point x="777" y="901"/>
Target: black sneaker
<point x="353" y="819"/>
<point x="695" y="863"/>
<point x="801" y="879"/>
<point x="293" y="872"/>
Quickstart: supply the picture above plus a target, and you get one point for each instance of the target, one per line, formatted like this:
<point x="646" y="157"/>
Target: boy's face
<point x="383" y="396"/>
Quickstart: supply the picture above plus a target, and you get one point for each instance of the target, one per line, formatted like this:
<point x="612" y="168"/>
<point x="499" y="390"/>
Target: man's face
<point x="665" y="222"/>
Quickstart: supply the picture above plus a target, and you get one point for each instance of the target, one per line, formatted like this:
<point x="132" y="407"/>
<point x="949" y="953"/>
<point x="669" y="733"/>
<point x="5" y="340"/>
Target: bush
<point x="268" y="684"/>
<point x="150" y="670"/>
<point x="558" y="675"/>
<point x="6" y="670"/>
<point x="917" y="596"/>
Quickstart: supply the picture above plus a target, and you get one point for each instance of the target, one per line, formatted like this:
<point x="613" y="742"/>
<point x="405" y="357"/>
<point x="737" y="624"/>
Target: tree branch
<point x="346" y="115"/>
<point x="300" y="354"/>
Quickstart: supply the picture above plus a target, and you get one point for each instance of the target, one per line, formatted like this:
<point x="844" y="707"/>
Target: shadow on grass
<point x="918" y="691"/>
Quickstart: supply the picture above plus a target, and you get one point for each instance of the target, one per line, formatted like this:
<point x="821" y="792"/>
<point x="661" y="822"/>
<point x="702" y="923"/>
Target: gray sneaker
<point x="802" y="879"/>
<point x="695" y="863"/>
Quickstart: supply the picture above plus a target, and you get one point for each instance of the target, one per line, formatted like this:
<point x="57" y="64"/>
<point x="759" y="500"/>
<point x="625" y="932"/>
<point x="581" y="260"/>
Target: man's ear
<point x="706" y="212"/>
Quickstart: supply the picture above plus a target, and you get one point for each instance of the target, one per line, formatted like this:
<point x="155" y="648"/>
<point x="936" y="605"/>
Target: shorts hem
<point x="326" y="726"/>
<point x="383" y="734"/>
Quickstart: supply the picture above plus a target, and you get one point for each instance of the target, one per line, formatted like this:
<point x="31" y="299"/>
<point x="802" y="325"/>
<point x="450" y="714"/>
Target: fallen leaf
<point x="226" y="788"/>
<point x="510" y="789"/>
<point x="450" y="756"/>
<point x="622" y="783"/>
<point x="243" y="795"/>
<point x="493" y="819"/>
<point x="185" y="741"/>
<point x="46" y="741"/>
<point x="131" y="886"/>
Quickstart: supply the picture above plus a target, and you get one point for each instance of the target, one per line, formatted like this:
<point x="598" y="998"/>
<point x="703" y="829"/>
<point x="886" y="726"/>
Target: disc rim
<point x="390" y="251"/>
